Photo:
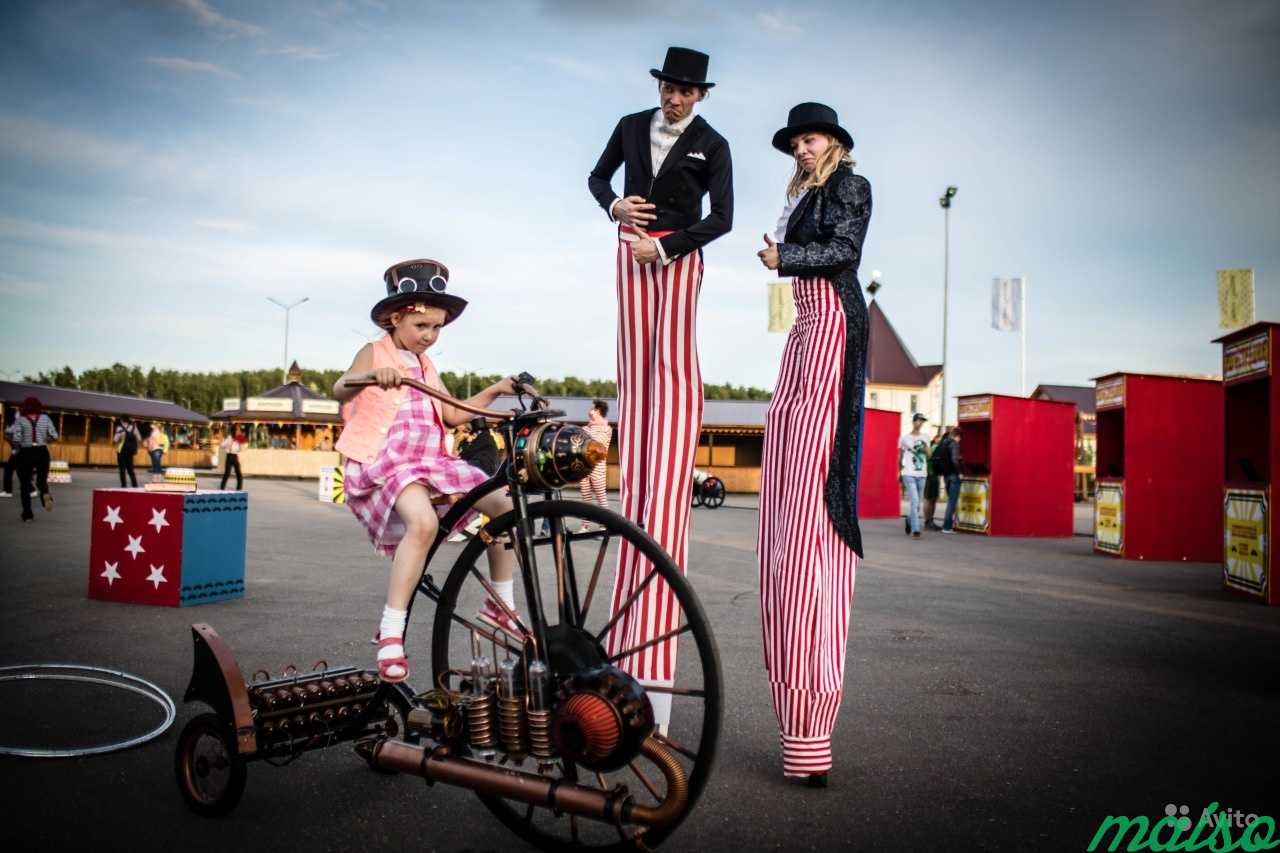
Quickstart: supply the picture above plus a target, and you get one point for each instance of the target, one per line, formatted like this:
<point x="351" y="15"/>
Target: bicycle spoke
<point x="489" y="635"/>
<point x="675" y="691"/>
<point x="497" y="599"/>
<point x="557" y="551"/>
<point x="683" y="750"/>
<point x="595" y="576"/>
<point x="648" y="643"/>
<point x="653" y="573"/>
<point x="644" y="779"/>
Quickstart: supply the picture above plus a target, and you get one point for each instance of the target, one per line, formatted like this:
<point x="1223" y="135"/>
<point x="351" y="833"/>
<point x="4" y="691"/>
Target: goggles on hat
<point x="435" y="284"/>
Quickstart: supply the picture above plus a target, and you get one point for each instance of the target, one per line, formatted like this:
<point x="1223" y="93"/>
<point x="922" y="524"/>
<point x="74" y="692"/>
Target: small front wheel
<point x="211" y="773"/>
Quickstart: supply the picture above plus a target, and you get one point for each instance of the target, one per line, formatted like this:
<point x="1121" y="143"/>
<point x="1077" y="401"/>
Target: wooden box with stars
<point x="172" y="549"/>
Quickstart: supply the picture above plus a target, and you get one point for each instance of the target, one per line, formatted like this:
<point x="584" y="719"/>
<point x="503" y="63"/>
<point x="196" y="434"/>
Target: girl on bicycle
<point x="398" y="471"/>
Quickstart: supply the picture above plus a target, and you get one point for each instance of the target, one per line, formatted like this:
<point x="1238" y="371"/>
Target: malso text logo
<point x="1217" y="830"/>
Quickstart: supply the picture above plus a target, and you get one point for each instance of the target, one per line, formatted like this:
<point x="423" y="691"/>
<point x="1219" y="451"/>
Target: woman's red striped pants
<point x="806" y="570"/>
<point x="659" y="417"/>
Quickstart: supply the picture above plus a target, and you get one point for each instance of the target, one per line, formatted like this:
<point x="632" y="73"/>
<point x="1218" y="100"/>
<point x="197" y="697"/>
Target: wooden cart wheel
<point x="211" y="773"/>
<point x="714" y="496"/>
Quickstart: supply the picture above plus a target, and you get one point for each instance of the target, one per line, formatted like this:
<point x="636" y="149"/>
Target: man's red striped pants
<point x="659" y="417"/>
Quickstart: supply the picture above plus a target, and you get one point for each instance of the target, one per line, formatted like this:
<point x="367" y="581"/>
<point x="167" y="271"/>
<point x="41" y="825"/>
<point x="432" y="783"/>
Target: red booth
<point x="1251" y="441"/>
<point x="1018" y="457"/>
<point x="1159" y="467"/>
<point x="879" y="495"/>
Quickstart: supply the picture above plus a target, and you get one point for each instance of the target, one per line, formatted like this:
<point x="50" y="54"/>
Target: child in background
<point x="398" y="470"/>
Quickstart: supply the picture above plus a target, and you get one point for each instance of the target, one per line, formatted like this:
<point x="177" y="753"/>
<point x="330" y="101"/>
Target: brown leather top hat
<point x="684" y="66"/>
<point x="420" y="281"/>
<point x="810" y="116"/>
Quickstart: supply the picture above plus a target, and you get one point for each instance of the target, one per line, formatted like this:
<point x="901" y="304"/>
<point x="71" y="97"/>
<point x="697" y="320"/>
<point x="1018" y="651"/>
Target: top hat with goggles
<point x="422" y="282"/>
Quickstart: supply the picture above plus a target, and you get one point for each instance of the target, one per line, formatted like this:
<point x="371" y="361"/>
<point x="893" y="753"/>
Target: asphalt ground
<point x="1001" y="694"/>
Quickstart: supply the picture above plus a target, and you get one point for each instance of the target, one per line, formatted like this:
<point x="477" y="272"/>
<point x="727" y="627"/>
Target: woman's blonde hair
<point x="829" y="160"/>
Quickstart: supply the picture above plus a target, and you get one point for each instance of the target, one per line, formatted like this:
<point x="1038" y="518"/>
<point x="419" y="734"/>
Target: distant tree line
<point x="204" y="392"/>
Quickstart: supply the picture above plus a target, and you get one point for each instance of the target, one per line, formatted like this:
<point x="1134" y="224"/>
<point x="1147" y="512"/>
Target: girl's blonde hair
<point x="833" y="158"/>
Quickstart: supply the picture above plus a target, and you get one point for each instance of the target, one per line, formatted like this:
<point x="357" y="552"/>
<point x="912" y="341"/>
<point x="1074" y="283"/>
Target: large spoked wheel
<point x="713" y="492"/>
<point x="575" y="574"/>
<point x="211" y="773"/>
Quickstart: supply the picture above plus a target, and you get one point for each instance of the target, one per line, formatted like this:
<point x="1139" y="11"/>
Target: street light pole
<point x="945" y="201"/>
<point x="287" y="309"/>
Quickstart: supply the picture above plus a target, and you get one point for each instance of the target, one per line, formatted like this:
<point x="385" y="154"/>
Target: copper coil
<point x="511" y="726"/>
<point x="540" y="735"/>
<point x="587" y="727"/>
<point x="481" y="714"/>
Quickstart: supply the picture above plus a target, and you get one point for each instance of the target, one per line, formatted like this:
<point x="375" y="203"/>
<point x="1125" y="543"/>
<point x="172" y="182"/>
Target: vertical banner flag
<point x="1006" y="304"/>
<point x="782" y="307"/>
<point x="1235" y="298"/>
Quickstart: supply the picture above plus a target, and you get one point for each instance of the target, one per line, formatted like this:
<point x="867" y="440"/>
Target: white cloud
<point x="299" y="51"/>
<point x="777" y="22"/>
<point x="41" y="141"/>
<point x="569" y="65"/>
<point x="210" y="17"/>
<point x="189" y="66"/>
<point x="233" y="226"/>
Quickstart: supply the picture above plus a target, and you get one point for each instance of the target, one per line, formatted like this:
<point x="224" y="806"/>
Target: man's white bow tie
<point x="669" y="129"/>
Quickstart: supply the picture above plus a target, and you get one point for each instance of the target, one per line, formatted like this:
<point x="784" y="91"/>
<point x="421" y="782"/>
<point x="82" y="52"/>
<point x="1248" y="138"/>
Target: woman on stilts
<point x="809" y="542"/>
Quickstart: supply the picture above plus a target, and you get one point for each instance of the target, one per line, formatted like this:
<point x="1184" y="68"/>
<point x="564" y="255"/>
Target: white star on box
<point x="110" y="574"/>
<point x="157" y="576"/>
<point x="113" y="517"/>
<point x="135" y="546"/>
<point x="157" y="519"/>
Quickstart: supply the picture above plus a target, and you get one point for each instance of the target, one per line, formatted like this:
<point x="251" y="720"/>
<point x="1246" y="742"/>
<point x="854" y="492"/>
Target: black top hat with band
<point x="810" y="116"/>
<point x="422" y="281"/>
<point x="684" y="66"/>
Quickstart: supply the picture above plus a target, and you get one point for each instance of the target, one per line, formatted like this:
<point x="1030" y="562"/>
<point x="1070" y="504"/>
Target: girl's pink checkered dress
<point x="414" y="453"/>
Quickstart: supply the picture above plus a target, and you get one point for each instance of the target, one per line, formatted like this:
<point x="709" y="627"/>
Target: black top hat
<point x="810" y="116"/>
<point x="410" y="282"/>
<point x="684" y="66"/>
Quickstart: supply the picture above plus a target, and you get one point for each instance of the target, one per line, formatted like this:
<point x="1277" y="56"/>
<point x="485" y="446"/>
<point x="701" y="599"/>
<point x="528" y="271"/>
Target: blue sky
<point x="165" y="166"/>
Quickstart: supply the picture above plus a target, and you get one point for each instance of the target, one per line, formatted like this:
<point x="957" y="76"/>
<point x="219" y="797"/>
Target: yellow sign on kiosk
<point x="973" y="512"/>
<point x="1244" y="525"/>
<point x="1108" y="518"/>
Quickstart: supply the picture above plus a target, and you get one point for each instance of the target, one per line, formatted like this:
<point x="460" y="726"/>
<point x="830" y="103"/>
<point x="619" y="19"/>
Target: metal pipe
<point x="612" y="806"/>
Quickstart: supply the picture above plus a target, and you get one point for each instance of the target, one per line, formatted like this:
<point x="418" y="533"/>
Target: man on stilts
<point x="673" y="158"/>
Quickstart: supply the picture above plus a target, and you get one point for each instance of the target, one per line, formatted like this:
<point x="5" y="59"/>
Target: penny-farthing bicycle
<point x="530" y="711"/>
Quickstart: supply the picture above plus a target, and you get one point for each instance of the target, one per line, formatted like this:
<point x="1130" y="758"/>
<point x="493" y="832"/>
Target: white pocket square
<point x="697" y="155"/>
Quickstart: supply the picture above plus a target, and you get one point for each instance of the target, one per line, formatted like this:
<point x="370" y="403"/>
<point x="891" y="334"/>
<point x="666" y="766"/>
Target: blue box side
<point x="214" y="536"/>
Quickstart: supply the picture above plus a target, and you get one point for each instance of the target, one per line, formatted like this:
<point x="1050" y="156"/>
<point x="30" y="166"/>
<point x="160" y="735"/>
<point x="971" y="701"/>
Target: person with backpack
<point x="126" y="440"/>
<point x="931" y="483"/>
<point x="951" y="473"/>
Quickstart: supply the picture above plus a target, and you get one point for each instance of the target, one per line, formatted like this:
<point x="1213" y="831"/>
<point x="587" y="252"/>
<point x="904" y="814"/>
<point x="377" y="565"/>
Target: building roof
<point x="1081" y="395"/>
<point x="293" y="390"/>
<point x="74" y="401"/>
<point x="717" y="415"/>
<point x="889" y="362"/>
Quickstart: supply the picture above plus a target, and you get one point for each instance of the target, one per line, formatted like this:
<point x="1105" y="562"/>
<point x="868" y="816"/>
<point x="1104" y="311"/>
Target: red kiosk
<point x="1159" y="464"/>
<point x="1018" y="457"/>
<point x="878" y="492"/>
<point x="1251" y="440"/>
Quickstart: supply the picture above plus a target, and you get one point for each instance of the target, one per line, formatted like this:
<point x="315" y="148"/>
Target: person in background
<point x="231" y="447"/>
<point x="931" y="483"/>
<point x="157" y="444"/>
<point x="952" y="474"/>
<point x="913" y="462"/>
<point x="31" y="433"/>
<point x="10" y="465"/>
<point x="593" y="488"/>
<point x="126" y="439"/>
